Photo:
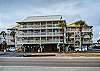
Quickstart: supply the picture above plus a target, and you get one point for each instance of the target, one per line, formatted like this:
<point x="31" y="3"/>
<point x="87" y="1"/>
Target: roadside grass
<point x="76" y="54"/>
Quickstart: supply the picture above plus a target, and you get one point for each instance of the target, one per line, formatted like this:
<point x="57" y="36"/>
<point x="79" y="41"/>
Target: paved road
<point x="37" y="68"/>
<point x="51" y="61"/>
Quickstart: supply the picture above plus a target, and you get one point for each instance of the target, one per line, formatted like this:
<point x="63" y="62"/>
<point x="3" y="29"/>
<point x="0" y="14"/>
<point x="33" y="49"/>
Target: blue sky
<point x="14" y="10"/>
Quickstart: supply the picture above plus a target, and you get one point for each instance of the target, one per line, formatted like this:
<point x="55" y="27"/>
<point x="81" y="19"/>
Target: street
<point x="37" y="68"/>
<point x="51" y="61"/>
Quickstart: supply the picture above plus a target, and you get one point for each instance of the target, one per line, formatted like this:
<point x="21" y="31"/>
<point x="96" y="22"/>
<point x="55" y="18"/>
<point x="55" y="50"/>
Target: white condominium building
<point x="73" y="34"/>
<point x="40" y="33"/>
<point x="45" y="34"/>
<point x="10" y="36"/>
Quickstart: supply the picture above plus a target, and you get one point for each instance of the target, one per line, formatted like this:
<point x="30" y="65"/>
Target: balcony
<point x="10" y="43"/>
<point x="9" y="37"/>
<point x="32" y="34"/>
<point x="43" y="40"/>
<point x="25" y="27"/>
<point x="42" y="26"/>
<point x="56" y="40"/>
<point x="34" y="41"/>
<point x="57" y="33"/>
<point x="87" y="42"/>
<point x="55" y="25"/>
<point x="29" y="42"/>
<point x="70" y="42"/>
<point x="43" y="33"/>
<point x="87" y="30"/>
<point x="49" y="25"/>
<point x="49" y="33"/>
<point x="86" y="36"/>
<point x="83" y="30"/>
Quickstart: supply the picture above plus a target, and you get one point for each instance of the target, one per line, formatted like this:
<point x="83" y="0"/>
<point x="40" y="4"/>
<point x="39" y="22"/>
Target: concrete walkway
<point x="1" y="53"/>
<point x="8" y="54"/>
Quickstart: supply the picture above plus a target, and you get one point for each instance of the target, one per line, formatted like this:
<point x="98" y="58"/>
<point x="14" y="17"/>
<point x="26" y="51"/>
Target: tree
<point x="98" y="40"/>
<point x="4" y="44"/>
<point x="81" y="24"/>
<point x="90" y="34"/>
<point x="13" y="35"/>
<point x="63" y="25"/>
<point x="69" y="35"/>
<point x="68" y="39"/>
<point x="3" y="33"/>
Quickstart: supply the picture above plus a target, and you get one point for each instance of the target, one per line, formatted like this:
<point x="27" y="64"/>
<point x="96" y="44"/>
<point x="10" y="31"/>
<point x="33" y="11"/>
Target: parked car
<point x="13" y="49"/>
<point x="94" y="49"/>
<point x="79" y="49"/>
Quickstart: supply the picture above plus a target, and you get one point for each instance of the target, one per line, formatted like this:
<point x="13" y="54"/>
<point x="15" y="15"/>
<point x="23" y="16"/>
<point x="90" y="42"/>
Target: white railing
<point x="49" y="25"/>
<point x="55" y="25"/>
<point x="88" y="30"/>
<point x="9" y="37"/>
<point x="70" y="42"/>
<point x="39" y="26"/>
<point x="30" y="26"/>
<point x="42" y="33"/>
<point x="87" y="42"/>
<point x="10" y="43"/>
<point x="38" y="41"/>
<point x="49" y="33"/>
<point x="86" y="36"/>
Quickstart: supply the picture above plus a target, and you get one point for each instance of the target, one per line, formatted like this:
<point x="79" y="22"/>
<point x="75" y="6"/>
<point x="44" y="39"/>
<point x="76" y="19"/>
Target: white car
<point x="79" y="49"/>
<point x="11" y="49"/>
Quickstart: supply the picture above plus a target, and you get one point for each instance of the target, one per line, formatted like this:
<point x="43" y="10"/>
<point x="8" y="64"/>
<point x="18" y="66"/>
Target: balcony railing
<point x="49" y="33"/>
<point x="9" y="37"/>
<point x="49" y="25"/>
<point x="42" y="33"/>
<point x="10" y="43"/>
<point x="43" y="26"/>
<point x="39" y="41"/>
<point x="55" y="25"/>
<point x="87" y="30"/>
<point x="30" y="26"/>
<point x="70" y="42"/>
<point x="87" y="42"/>
<point x="39" y="26"/>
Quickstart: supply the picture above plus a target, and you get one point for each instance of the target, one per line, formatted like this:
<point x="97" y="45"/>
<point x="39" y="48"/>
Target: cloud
<point x="14" y="10"/>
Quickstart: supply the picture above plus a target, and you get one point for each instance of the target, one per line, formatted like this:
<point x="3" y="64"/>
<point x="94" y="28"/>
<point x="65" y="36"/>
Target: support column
<point x="40" y="48"/>
<point x="58" y="47"/>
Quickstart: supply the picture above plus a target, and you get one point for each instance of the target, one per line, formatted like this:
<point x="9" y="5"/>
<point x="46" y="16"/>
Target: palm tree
<point x="90" y="34"/>
<point x="81" y="24"/>
<point x="98" y="40"/>
<point x="69" y="35"/>
<point x="68" y="39"/>
<point x="63" y="25"/>
<point x="4" y="44"/>
<point x="13" y="35"/>
<point x="3" y="33"/>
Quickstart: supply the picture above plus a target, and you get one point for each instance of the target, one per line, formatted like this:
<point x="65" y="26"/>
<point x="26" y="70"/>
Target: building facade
<point x="40" y="34"/>
<point x="44" y="34"/>
<point x="73" y="34"/>
<point x="10" y="37"/>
